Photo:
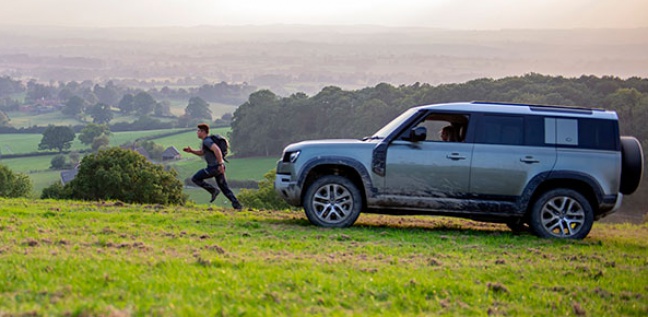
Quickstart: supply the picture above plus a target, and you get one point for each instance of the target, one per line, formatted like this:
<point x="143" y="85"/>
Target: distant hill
<point x="297" y="58"/>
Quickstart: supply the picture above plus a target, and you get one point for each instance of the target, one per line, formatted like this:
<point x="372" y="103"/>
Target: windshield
<point x="386" y="130"/>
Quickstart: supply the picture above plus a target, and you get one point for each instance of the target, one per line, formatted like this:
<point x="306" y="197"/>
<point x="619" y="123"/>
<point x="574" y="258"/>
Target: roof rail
<point x="535" y="107"/>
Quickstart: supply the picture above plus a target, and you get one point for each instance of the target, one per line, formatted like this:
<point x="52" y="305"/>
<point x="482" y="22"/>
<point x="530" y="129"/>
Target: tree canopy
<point x="92" y="131"/>
<point x="57" y="137"/>
<point x="14" y="184"/>
<point x="266" y="122"/>
<point x="198" y="109"/>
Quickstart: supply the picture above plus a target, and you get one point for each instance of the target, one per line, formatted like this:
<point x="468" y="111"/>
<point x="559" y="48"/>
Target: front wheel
<point x="332" y="201"/>
<point x="562" y="213"/>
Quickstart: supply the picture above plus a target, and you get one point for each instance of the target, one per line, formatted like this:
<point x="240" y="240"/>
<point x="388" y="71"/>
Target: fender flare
<point x="367" y="183"/>
<point x="540" y="179"/>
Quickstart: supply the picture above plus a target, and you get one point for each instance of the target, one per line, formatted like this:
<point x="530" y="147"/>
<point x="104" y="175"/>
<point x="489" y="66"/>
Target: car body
<point x="555" y="169"/>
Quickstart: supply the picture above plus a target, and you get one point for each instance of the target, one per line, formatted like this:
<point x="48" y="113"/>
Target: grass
<point x="77" y="258"/>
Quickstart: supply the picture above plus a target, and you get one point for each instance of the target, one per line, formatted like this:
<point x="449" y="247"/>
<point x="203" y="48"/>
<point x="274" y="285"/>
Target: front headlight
<point x="293" y="156"/>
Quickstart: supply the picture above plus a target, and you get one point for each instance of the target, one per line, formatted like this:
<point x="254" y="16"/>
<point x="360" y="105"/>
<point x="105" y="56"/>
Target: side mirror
<point x="418" y="134"/>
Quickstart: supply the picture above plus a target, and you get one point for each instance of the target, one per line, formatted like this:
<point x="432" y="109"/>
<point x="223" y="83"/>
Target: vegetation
<point x="107" y="258"/>
<point x="57" y="137"/>
<point x="266" y="122"/>
<point x="118" y="174"/>
<point x="265" y="197"/>
<point x="90" y="132"/>
<point x="13" y="184"/>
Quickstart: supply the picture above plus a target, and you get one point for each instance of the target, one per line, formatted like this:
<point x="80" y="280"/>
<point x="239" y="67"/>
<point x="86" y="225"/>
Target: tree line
<point x="266" y="122"/>
<point x="101" y="102"/>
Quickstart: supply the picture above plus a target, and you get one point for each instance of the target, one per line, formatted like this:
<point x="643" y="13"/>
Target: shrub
<point x="120" y="174"/>
<point x="56" y="191"/>
<point x="265" y="197"/>
<point x="58" y="162"/>
<point x="14" y="184"/>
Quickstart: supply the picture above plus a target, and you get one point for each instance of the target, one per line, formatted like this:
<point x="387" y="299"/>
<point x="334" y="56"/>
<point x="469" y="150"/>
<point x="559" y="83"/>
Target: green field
<point x="25" y="120"/>
<point x="37" y="167"/>
<point x="110" y="259"/>
<point x="23" y="143"/>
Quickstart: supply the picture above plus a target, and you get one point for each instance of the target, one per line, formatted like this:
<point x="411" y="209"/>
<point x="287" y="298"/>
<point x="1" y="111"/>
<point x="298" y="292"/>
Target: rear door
<point x="509" y="151"/>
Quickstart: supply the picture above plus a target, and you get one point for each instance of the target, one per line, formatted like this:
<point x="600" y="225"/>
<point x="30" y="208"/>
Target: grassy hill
<point x="107" y="258"/>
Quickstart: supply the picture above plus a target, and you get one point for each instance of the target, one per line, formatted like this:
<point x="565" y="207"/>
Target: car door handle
<point x="455" y="156"/>
<point x="529" y="160"/>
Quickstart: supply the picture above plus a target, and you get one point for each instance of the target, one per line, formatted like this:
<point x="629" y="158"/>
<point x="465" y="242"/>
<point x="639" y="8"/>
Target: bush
<point x="120" y="174"/>
<point x="58" y="162"/>
<point x="14" y="185"/>
<point x="265" y="197"/>
<point x="56" y="191"/>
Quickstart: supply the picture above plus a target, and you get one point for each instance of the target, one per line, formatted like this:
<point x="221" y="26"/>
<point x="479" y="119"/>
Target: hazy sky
<point x="452" y="14"/>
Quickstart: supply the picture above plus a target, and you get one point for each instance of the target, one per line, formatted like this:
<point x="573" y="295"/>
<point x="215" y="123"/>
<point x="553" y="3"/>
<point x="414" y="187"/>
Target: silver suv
<point x="548" y="168"/>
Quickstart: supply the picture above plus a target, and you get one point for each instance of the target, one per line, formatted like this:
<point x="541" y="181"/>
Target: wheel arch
<point x="581" y="183"/>
<point x="349" y="168"/>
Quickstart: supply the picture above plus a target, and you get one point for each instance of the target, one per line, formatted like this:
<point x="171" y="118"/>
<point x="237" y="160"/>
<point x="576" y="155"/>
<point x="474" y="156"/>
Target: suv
<point x="554" y="169"/>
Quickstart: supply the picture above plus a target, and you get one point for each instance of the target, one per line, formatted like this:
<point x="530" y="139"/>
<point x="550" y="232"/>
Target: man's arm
<point x="219" y="157"/>
<point x="192" y="151"/>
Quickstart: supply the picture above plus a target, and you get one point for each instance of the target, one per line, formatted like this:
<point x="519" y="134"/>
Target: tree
<point x="108" y="94"/>
<point x="198" y="109"/>
<point x="100" y="142"/>
<point x="101" y="113"/>
<point x="74" y="106"/>
<point x="4" y="119"/>
<point x="12" y="184"/>
<point x="92" y="131"/>
<point x="126" y="104"/>
<point x="143" y="103"/>
<point x="119" y="174"/>
<point x="163" y="109"/>
<point x="57" y="137"/>
<point x="58" y="162"/>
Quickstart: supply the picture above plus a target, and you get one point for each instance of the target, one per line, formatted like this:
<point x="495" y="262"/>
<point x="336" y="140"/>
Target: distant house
<point x="171" y="153"/>
<point x="143" y="152"/>
<point x="68" y="175"/>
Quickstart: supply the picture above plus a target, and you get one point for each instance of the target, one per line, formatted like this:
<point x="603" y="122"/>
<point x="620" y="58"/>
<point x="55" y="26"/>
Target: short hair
<point x="204" y="127"/>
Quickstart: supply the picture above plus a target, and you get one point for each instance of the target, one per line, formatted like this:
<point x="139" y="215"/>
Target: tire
<point x="332" y="201"/>
<point x="632" y="162"/>
<point x="561" y="213"/>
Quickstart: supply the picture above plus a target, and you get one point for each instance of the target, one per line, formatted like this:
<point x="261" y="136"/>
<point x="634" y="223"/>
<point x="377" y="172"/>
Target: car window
<point x="501" y="130"/>
<point x="443" y="127"/>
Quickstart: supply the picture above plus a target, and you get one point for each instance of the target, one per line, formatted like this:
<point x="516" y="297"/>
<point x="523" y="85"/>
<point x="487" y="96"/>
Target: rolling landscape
<point x="263" y="87"/>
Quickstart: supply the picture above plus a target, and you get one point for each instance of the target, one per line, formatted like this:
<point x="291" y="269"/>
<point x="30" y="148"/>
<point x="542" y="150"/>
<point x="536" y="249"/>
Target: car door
<point x="428" y="173"/>
<point x="509" y="151"/>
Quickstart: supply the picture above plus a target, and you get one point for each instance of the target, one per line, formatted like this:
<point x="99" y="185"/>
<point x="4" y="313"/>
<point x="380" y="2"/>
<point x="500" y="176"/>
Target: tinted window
<point x="534" y="132"/>
<point x="501" y="130"/>
<point x="597" y="134"/>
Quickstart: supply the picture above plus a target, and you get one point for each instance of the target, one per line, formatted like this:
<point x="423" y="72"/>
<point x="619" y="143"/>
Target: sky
<point x="447" y="14"/>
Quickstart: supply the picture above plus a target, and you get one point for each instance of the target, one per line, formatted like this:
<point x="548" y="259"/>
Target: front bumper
<point x="287" y="189"/>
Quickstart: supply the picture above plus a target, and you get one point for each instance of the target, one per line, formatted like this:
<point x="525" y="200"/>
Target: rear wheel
<point x="332" y="201"/>
<point x="561" y="213"/>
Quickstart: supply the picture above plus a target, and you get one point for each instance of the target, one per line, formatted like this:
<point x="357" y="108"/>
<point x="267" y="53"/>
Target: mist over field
<point x="302" y="58"/>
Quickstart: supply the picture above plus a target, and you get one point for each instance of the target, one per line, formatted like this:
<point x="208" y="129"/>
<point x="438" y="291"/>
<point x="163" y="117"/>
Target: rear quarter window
<point x="598" y="134"/>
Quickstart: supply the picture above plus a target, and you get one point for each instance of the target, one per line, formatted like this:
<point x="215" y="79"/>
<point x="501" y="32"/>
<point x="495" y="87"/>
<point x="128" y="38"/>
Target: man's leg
<point x="222" y="184"/>
<point x="199" y="179"/>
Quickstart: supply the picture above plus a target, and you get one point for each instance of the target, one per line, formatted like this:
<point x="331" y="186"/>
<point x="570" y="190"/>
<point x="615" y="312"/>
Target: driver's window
<point x="445" y="127"/>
